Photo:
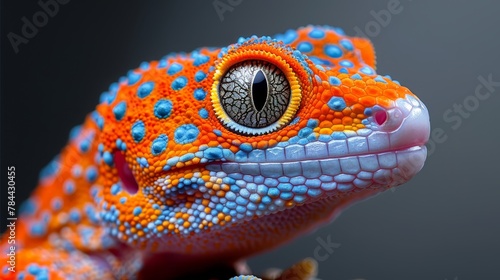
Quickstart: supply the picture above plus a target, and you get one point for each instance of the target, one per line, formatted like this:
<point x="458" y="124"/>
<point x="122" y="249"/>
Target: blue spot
<point x="367" y="70"/>
<point x="339" y="30"/>
<point x="76" y="170"/>
<point x="317" y="33"/>
<point x="74" y="132"/>
<point x="304" y="47"/>
<point x="162" y="63"/>
<point x="186" y="133"/>
<point x="346" y="44"/>
<point x="137" y="210"/>
<point x="289" y="36"/>
<point x="133" y="77"/>
<point x="115" y="188"/>
<point x="159" y="144"/>
<point x="304" y="132"/>
<point x="343" y="70"/>
<point x="84" y="145"/>
<point x="113" y="89"/>
<point x="33" y="269"/>
<point x="246" y="147"/>
<point x="56" y="203"/>
<point x="144" y="65"/>
<point x="123" y="200"/>
<point x="143" y="162"/>
<point x="356" y="77"/>
<point x="120" y="145"/>
<point x="346" y="63"/>
<point x="336" y="103"/>
<point x="119" y="110"/>
<point x="74" y="215"/>
<point x="174" y="69"/>
<point x="98" y="119"/>
<point x="43" y="274"/>
<point x="200" y="94"/>
<point x="320" y="67"/>
<point x="312" y="123"/>
<point x="110" y="97"/>
<point x="213" y="153"/>
<point x="145" y="89"/>
<point x="318" y="61"/>
<point x="203" y="113"/>
<point x="69" y="187"/>
<point x="91" y="174"/>
<point x="333" y="51"/>
<point x="138" y="131"/>
<point x="163" y="108"/>
<point x="334" y="81"/>
<point x="28" y="207"/>
<point x="368" y="111"/>
<point x="186" y="157"/>
<point x="179" y="83"/>
<point x="108" y="158"/>
<point x="38" y="229"/>
<point x="200" y="59"/>
<point x="217" y="132"/>
<point x="200" y="76"/>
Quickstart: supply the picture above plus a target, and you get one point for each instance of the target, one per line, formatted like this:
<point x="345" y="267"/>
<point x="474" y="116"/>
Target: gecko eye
<point x="254" y="95"/>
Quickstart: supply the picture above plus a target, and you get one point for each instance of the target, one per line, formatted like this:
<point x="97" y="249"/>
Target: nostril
<point x="380" y="117"/>
<point x="126" y="177"/>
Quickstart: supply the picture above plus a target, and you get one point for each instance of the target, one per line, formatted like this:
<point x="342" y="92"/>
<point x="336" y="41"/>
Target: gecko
<point x="202" y="159"/>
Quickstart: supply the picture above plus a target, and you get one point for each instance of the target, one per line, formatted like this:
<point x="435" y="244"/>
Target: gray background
<point x="444" y="224"/>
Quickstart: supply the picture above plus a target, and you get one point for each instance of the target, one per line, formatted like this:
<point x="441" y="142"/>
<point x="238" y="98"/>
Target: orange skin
<point x="52" y="236"/>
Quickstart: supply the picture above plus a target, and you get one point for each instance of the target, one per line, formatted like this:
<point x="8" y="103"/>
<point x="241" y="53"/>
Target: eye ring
<point x="254" y="95"/>
<point x="265" y="56"/>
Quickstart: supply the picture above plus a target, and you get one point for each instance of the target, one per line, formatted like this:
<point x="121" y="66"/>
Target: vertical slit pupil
<point x="259" y="90"/>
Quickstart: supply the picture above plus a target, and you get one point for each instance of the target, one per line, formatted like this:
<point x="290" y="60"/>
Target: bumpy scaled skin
<point x="208" y="157"/>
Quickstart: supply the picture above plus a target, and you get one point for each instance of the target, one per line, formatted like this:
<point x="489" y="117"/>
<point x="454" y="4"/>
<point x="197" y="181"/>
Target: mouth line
<point x="408" y="148"/>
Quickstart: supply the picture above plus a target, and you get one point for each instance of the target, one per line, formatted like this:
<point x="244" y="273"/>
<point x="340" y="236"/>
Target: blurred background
<point x="444" y="224"/>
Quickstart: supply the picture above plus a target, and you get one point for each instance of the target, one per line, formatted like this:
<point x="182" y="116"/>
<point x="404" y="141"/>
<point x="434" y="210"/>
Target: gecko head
<point x="238" y="149"/>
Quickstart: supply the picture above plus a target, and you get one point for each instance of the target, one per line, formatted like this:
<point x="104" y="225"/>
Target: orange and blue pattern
<point x="219" y="154"/>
